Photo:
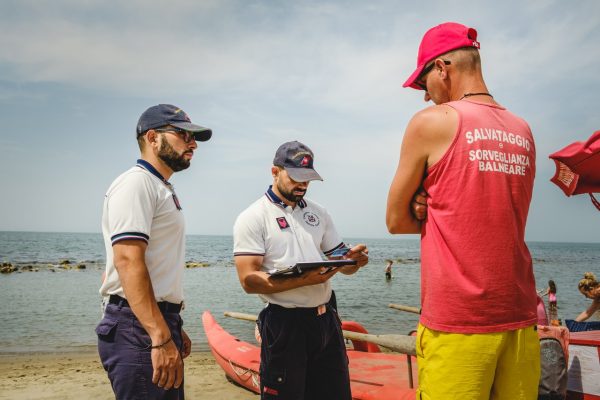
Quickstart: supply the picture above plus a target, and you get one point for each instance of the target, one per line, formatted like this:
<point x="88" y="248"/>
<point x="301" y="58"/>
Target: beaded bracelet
<point x="162" y="344"/>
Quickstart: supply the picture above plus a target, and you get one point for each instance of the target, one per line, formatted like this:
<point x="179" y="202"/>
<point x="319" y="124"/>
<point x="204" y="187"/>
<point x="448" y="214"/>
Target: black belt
<point x="164" y="306"/>
<point x="319" y="310"/>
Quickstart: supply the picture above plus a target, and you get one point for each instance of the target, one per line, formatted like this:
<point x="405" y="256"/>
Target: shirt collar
<point x="148" y="167"/>
<point x="276" y="200"/>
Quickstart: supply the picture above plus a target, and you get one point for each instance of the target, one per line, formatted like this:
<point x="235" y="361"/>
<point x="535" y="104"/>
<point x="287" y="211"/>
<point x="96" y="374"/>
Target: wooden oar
<point x="401" y="307"/>
<point x="239" y="315"/>
<point x="399" y="343"/>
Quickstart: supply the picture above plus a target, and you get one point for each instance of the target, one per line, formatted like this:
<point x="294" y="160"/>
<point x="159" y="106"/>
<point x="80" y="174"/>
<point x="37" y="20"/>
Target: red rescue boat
<point x="373" y="375"/>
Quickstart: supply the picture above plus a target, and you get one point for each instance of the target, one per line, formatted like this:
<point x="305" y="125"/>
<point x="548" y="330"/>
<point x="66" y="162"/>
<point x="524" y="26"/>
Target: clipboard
<point x="301" y="267"/>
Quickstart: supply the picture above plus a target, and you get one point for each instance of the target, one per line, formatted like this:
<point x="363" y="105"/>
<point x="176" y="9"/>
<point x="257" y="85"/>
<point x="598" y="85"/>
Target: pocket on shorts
<point x="274" y="332"/>
<point x="420" y="340"/>
<point x="272" y="382"/>
<point x="531" y="343"/>
<point x="106" y="329"/>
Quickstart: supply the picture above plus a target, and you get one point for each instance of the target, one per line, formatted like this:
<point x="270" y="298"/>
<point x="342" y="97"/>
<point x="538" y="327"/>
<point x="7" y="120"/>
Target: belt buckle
<point x="322" y="309"/>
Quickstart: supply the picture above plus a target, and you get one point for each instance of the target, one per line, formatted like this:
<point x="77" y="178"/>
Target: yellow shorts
<point x="498" y="366"/>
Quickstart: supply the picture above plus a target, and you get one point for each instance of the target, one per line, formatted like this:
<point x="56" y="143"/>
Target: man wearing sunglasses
<point x="140" y="339"/>
<point x="303" y="355"/>
<point x="471" y="163"/>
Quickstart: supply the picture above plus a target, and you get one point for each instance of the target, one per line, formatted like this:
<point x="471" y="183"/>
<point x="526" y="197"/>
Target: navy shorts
<point x="124" y="348"/>
<point x="303" y="355"/>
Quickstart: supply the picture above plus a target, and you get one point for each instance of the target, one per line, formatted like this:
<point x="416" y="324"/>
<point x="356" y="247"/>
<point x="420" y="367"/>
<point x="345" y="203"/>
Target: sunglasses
<point x="187" y="136"/>
<point x="420" y="80"/>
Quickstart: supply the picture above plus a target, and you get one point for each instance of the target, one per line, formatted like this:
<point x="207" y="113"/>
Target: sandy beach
<point x="80" y="376"/>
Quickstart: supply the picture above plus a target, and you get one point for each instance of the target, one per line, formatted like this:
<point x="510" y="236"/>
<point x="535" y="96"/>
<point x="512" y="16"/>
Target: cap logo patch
<point x="302" y="159"/>
<point x="282" y="222"/>
<point x="311" y="218"/>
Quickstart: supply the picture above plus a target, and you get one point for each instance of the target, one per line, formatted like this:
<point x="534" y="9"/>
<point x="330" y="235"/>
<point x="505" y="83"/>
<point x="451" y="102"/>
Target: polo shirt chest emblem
<point x="282" y="222"/>
<point x="311" y="219"/>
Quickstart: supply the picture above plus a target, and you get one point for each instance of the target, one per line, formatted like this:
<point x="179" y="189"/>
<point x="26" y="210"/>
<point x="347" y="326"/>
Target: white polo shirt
<point x="285" y="236"/>
<point x="141" y="205"/>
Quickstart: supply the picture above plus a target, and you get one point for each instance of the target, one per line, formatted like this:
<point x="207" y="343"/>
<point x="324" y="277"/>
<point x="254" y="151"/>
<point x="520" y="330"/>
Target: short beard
<point x="170" y="157"/>
<point x="289" y="196"/>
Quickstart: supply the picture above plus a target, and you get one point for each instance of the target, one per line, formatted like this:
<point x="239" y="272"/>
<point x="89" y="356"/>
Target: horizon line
<point x="411" y="237"/>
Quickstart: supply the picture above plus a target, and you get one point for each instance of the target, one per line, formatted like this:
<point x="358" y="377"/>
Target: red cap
<point x="440" y="40"/>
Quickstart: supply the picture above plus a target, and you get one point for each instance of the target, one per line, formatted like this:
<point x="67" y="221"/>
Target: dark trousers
<point x="124" y="348"/>
<point x="303" y="355"/>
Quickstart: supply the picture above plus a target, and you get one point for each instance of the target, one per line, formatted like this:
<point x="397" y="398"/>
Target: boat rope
<point x="241" y="372"/>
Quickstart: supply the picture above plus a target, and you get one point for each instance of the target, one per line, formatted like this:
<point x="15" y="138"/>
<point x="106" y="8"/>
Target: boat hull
<point x="373" y="376"/>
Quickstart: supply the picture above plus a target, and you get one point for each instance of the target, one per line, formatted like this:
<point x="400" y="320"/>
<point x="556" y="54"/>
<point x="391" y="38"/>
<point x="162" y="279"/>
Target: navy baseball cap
<point x="297" y="159"/>
<point x="167" y="114"/>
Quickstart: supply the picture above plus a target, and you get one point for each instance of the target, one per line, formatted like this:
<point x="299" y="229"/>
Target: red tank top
<point x="476" y="270"/>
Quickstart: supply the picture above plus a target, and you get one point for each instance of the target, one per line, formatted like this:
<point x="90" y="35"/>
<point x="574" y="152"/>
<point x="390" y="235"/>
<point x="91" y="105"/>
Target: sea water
<point x="47" y="311"/>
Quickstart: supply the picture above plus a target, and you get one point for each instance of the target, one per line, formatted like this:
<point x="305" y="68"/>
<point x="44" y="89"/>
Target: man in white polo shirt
<point x="140" y="339"/>
<point x="303" y="355"/>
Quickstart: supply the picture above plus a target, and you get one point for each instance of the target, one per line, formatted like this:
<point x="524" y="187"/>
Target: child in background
<point x="552" y="306"/>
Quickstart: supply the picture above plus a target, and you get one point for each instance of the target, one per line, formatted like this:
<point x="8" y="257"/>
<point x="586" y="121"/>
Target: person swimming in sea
<point x="388" y="270"/>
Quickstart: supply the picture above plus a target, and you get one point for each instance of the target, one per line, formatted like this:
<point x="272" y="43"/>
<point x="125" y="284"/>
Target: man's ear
<point x="275" y="171"/>
<point x="442" y="67"/>
<point x="152" y="137"/>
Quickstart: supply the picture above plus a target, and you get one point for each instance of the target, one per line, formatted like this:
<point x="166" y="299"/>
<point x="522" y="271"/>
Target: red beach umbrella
<point x="578" y="168"/>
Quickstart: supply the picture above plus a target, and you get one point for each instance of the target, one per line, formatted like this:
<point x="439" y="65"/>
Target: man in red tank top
<point x="471" y="162"/>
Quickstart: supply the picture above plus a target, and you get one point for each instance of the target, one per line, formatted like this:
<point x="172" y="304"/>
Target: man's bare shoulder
<point x="431" y="131"/>
<point x="434" y="120"/>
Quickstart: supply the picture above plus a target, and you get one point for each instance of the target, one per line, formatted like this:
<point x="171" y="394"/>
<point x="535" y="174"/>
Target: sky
<point x="75" y="75"/>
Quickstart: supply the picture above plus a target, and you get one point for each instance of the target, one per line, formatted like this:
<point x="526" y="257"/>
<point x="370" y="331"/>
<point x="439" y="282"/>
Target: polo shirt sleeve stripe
<point x="129" y="236"/>
<point x="248" y="254"/>
<point x="339" y="246"/>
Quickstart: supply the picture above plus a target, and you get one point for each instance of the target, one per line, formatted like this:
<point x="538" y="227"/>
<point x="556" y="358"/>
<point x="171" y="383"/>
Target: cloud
<point x="226" y="47"/>
<point x="536" y="53"/>
<point x="323" y="54"/>
<point x="260" y="73"/>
